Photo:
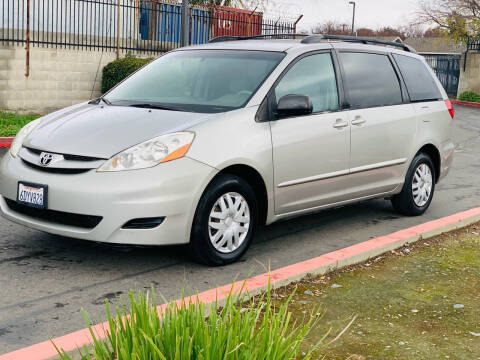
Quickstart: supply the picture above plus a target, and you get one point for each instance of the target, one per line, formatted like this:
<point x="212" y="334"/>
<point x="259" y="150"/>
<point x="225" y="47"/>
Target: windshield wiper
<point x="154" y="106"/>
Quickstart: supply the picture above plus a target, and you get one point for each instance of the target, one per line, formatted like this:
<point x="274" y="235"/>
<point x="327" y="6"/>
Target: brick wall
<point x="58" y="78"/>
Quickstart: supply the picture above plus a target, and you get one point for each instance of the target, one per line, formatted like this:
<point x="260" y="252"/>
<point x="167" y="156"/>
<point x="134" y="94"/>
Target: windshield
<point x="208" y="81"/>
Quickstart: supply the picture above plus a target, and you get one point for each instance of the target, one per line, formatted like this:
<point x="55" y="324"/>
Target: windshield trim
<point x="226" y="108"/>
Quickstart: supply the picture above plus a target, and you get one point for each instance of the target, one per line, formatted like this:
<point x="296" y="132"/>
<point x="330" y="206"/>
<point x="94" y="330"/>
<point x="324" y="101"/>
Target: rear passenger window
<point x="370" y="80"/>
<point x="313" y="76"/>
<point x="420" y="84"/>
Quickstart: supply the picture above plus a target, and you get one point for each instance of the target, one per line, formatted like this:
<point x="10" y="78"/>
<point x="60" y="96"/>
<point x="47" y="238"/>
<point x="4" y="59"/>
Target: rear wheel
<point x="418" y="189"/>
<point x="225" y="221"/>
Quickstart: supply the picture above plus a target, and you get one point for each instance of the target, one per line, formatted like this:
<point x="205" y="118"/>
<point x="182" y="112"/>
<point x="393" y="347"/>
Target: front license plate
<point x="33" y="195"/>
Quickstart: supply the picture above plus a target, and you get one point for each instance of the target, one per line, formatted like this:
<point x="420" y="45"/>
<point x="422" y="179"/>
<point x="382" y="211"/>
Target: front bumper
<point x="169" y="190"/>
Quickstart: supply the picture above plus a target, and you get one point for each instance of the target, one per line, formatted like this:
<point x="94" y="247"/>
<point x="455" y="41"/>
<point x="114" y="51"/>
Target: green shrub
<point x="119" y="69"/>
<point x="260" y="331"/>
<point x="11" y="123"/>
<point x="471" y="96"/>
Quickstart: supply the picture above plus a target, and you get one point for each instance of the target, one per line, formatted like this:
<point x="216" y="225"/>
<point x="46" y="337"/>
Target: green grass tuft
<point x="10" y="123"/>
<point x="471" y="96"/>
<point x="259" y="330"/>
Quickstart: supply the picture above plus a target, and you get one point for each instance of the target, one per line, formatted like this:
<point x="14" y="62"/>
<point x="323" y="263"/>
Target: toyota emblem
<point x="46" y="159"/>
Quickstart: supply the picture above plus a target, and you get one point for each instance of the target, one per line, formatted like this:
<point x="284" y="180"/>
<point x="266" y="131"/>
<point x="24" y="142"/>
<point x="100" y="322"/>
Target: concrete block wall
<point x="470" y="78"/>
<point x="58" y="78"/>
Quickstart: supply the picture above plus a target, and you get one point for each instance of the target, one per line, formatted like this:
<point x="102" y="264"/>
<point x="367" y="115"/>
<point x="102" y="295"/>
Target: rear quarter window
<point x="420" y="83"/>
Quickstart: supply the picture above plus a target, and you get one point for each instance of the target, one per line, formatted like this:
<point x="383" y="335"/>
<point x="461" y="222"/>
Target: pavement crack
<point x="24" y="257"/>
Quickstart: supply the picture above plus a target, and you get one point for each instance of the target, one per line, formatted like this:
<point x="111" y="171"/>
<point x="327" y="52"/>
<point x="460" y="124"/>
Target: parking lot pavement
<point x="46" y="279"/>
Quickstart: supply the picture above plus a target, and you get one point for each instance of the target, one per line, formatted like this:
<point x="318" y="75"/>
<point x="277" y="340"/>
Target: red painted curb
<point x="69" y="342"/>
<point x="466" y="103"/>
<point x="5" y="142"/>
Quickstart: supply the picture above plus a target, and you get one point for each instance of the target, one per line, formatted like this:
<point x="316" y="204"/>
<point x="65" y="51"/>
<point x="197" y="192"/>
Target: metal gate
<point x="447" y="69"/>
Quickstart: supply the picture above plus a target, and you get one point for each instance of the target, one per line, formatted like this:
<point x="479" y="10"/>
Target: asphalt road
<point x="45" y="280"/>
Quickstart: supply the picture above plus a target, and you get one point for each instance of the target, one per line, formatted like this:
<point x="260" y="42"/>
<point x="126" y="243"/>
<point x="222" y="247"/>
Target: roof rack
<point x="313" y="39"/>
<point x="256" y="37"/>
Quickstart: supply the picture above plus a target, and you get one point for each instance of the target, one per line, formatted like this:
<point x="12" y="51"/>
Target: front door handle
<point x="358" y="121"/>
<point x="340" y="124"/>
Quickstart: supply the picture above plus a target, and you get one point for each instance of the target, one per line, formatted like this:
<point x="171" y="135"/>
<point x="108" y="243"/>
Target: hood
<point x="103" y="131"/>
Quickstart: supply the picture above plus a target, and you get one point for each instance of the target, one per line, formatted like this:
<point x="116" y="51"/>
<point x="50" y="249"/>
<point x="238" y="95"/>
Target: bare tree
<point x="412" y="31"/>
<point x="389" y="31"/>
<point x="365" y="32"/>
<point x="459" y="18"/>
<point x="434" y="32"/>
<point x="403" y="32"/>
<point x="331" y="27"/>
<point x="259" y="5"/>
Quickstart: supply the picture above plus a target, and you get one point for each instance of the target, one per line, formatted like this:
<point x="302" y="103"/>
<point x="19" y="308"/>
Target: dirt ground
<point x="419" y="302"/>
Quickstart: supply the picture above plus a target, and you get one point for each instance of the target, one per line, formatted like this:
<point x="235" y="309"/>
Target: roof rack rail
<point x="256" y="37"/>
<point x="313" y="39"/>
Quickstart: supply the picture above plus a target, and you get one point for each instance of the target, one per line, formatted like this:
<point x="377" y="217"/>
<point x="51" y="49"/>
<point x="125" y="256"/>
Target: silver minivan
<point x="207" y="143"/>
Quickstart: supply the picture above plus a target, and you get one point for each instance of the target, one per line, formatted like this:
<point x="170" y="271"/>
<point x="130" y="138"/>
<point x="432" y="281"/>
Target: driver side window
<point x="313" y="76"/>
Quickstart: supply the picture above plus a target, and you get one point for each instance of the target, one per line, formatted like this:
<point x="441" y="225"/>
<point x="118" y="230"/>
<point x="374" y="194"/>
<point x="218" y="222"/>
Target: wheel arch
<point x="434" y="154"/>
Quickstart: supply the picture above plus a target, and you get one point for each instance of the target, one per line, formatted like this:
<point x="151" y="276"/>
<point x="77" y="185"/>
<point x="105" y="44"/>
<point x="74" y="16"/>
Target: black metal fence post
<point x="185" y="23"/>
<point x="27" y="42"/>
<point x="118" y="29"/>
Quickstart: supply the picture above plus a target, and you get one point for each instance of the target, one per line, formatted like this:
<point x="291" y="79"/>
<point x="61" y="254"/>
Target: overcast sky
<point x="369" y="13"/>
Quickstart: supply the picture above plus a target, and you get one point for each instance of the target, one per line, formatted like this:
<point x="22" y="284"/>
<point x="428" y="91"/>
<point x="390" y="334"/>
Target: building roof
<point x="438" y="45"/>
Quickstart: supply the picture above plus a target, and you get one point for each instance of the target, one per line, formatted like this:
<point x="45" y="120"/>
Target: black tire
<point x="200" y="245"/>
<point x="404" y="202"/>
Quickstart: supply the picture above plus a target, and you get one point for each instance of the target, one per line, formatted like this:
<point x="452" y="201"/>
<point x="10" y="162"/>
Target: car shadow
<point x="100" y="255"/>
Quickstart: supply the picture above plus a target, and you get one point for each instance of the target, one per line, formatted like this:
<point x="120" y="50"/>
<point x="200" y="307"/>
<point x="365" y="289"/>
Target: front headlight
<point x="22" y="134"/>
<point x="151" y="153"/>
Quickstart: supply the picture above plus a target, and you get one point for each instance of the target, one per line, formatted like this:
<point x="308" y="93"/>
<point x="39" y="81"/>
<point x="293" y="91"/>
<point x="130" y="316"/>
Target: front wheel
<point x="418" y="189"/>
<point x="225" y="221"/>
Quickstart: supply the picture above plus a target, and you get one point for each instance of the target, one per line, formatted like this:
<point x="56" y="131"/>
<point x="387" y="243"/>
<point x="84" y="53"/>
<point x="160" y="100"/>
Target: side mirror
<point x="294" y="105"/>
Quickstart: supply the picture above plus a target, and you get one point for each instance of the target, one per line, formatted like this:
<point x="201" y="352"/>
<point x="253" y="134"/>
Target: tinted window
<point x="198" y="80"/>
<point x="370" y="80"/>
<point x="419" y="81"/>
<point x="313" y="76"/>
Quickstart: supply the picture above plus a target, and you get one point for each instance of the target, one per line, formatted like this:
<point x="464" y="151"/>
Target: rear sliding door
<point x="383" y="123"/>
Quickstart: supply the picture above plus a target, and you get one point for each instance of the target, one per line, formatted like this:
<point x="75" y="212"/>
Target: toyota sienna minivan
<point x="207" y="143"/>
